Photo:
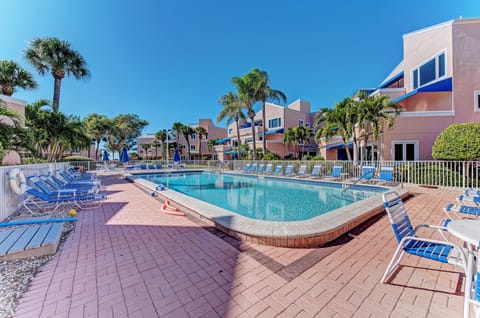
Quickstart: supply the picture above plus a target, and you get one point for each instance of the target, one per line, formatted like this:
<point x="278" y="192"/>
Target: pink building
<point x="437" y="83"/>
<point x="278" y="119"/>
<point x="198" y="147"/>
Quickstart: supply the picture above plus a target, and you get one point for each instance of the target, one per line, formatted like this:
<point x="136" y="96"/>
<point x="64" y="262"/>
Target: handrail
<point x="363" y="176"/>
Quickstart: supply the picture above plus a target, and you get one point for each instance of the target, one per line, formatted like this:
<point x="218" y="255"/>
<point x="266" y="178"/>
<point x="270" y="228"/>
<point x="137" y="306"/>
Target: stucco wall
<point x="10" y="201"/>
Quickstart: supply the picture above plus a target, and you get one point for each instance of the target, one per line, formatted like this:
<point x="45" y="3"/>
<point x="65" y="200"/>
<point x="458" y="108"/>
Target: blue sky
<point x="170" y="61"/>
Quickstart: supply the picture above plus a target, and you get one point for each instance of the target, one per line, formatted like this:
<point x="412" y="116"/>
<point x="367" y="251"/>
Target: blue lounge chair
<point x="302" y="171"/>
<point x="278" y="170"/>
<point x="92" y="187"/>
<point x="368" y="172"/>
<point x="410" y="243"/>
<point x="45" y="187"/>
<point x="316" y="171"/>
<point x="268" y="169"/>
<point x="336" y="173"/>
<point x="246" y="167"/>
<point x="385" y="175"/>
<point x="76" y="183"/>
<point x="253" y="168"/>
<point x="458" y="211"/>
<point x="288" y="170"/>
<point x="260" y="168"/>
<point x="158" y="166"/>
<point x="468" y="199"/>
<point x="40" y="200"/>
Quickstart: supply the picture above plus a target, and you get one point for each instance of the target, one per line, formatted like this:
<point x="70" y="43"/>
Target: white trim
<point x="12" y="100"/>
<point x="430" y="28"/>
<point x="415" y="143"/>
<point x="433" y="113"/>
<point x="476" y="103"/>
<point x="273" y="118"/>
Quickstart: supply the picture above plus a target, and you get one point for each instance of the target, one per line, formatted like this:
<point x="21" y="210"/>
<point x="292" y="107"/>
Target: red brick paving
<point x="127" y="259"/>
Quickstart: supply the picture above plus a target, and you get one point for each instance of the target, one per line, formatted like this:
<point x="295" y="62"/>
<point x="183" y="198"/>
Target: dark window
<point x="398" y="152"/>
<point x="427" y="72"/>
<point x="441" y="65"/>
<point x="410" y="155"/>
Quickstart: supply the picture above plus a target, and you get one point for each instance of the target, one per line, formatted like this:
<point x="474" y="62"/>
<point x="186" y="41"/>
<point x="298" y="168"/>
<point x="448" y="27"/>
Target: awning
<point x="271" y="131"/>
<point x="440" y="86"/>
<point x="339" y="146"/>
<point x="391" y="80"/>
<point x="230" y="152"/>
<point x="223" y="140"/>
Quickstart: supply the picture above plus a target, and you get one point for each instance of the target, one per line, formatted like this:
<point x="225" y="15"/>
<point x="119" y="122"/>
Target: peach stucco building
<point x="278" y="119"/>
<point x="437" y="83"/>
<point x="213" y="132"/>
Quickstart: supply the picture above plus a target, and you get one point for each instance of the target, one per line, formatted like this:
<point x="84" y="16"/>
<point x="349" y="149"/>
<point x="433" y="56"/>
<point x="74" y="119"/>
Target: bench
<point x="34" y="240"/>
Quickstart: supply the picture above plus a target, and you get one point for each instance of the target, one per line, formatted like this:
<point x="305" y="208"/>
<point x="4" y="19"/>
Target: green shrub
<point x="28" y="161"/>
<point x="76" y="158"/>
<point x="271" y="156"/>
<point x="315" y="158"/>
<point x="458" y="142"/>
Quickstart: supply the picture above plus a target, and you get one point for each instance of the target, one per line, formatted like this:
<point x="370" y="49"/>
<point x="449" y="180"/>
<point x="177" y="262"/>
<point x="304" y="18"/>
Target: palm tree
<point x="6" y="130"/>
<point x="201" y="131"/>
<point x="145" y="147"/>
<point x="331" y="122"/>
<point x="177" y="127"/>
<point x="264" y="93"/>
<point x="290" y="137"/>
<point x="96" y="126"/>
<point x="303" y="135"/>
<point x="12" y="75"/>
<point x="57" y="57"/>
<point x="187" y="131"/>
<point x="248" y="95"/>
<point x="162" y="136"/>
<point x="373" y="112"/>
<point x="232" y="111"/>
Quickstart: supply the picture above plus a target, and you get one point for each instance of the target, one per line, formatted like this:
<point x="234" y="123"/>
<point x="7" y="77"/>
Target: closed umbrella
<point x="124" y="155"/>
<point x="176" y="158"/>
<point x="105" y="157"/>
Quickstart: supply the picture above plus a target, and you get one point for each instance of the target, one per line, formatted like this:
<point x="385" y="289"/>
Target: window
<point x="192" y="147"/>
<point x="275" y="122"/>
<point x="476" y="100"/>
<point x="300" y="122"/>
<point x="249" y="139"/>
<point x="193" y="136"/>
<point x="230" y="130"/>
<point x="405" y="151"/>
<point x="430" y="71"/>
<point x="235" y="143"/>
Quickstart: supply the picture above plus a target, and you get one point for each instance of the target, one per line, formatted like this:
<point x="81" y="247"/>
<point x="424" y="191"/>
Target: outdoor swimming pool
<point x="268" y="199"/>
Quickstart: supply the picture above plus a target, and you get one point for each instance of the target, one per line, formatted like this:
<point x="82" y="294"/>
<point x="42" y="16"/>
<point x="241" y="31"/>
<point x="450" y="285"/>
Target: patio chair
<point x="45" y="187"/>
<point x="87" y="188"/>
<point x="260" y="168"/>
<point x="253" y="168"/>
<point x="246" y="167"/>
<point x="458" y="211"/>
<point x="278" y="170"/>
<point x="302" y="171"/>
<point x="70" y="178"/>
<point x="336" y="173"/>
<point x="288" y="170"/>
<point x="268" y="169"/>
<point x="368" y="172"/>
<point x="385" y="175"/>
<point x="76" y="183"/>
<point x="468" y="200"/>
<point x="410" y="243"/>
<point x="40" y="200"/>
<point x="316" y="171"/>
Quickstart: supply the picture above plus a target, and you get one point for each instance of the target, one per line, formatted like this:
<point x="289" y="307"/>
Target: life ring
<point x="166" y="205"/>
<point x="17" y="181"/>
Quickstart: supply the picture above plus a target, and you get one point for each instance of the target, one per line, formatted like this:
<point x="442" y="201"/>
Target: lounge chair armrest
<point x="435" y="227"/>
<point x="421" y="239"/>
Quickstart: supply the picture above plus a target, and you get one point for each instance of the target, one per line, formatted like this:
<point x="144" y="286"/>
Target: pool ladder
<point x="347" y="186"/>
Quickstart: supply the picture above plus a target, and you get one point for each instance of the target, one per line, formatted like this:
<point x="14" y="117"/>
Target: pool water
<point x="264" y="198"/>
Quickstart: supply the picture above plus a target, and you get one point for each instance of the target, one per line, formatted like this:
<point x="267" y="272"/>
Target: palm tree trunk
<point x="253" y="137"/>
<point x="264" y="140"/>
<point x="200" y="148"/>
<point x="56" y="94"/>
<point x="238" y="135"/>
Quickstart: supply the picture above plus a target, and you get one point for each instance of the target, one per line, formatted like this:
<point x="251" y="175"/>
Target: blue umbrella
<point x="235" y="155"/>
<point x="124" y="155"/>
<point x="105" y="156"/>
<point x="176" y="156"/>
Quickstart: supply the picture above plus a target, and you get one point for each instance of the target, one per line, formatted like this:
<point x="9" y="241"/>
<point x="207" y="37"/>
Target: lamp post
<point x="168" y="149"/>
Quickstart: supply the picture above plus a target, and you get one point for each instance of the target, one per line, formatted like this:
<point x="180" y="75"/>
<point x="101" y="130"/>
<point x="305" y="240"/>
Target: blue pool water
<point x="263" y="198"/>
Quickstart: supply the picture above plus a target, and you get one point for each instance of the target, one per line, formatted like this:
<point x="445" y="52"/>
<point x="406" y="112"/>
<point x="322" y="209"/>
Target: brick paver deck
<point x="127" y="259"/>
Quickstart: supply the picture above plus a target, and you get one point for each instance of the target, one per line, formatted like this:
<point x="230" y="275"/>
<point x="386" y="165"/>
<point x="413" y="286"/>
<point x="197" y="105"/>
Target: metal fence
<point x="460" y="174"/>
